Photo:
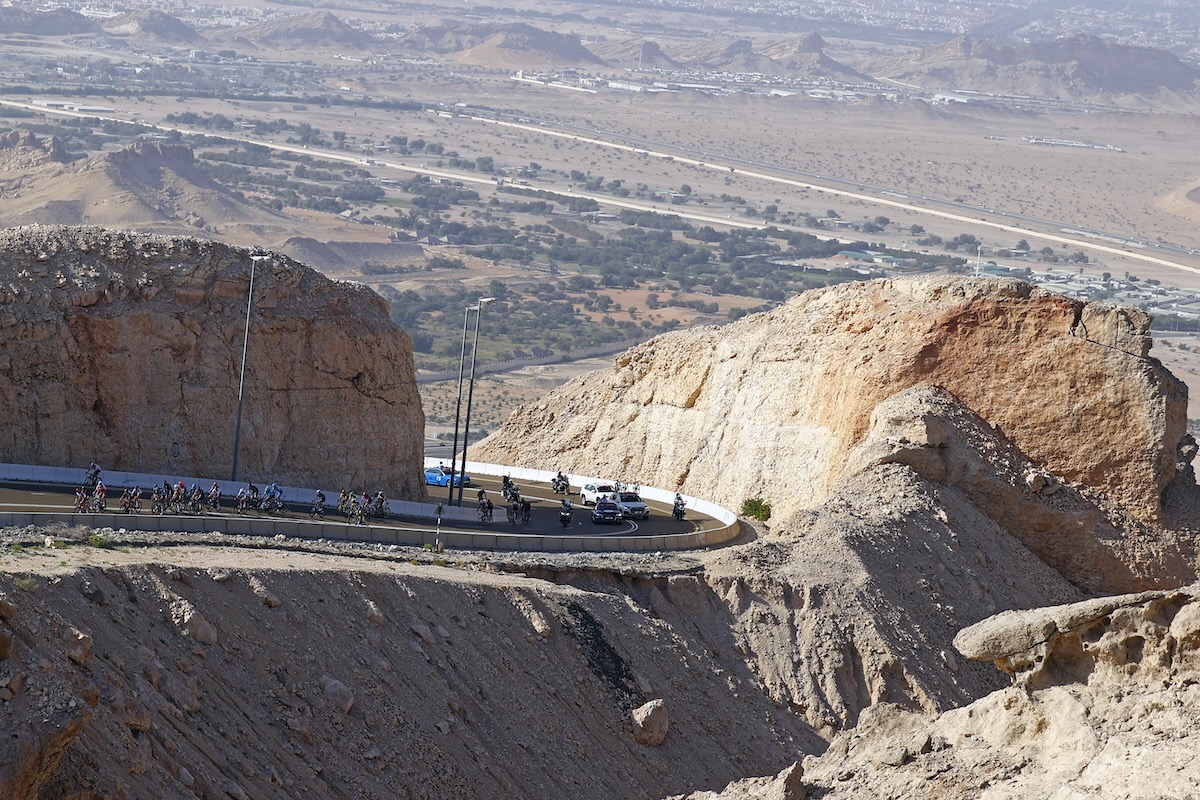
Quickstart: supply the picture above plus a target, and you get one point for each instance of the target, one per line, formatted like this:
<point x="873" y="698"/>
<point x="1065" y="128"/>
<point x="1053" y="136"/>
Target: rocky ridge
<point x="917" y="441"/>
<point x="127" y="349"/>
<point x="770" y="406"/>
<point x="1105" y="703"/>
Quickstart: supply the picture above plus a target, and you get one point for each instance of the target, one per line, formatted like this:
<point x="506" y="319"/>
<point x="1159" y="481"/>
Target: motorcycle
<point x="564" y="518"/>
<point x="677" y="511"/>
<point x="511" y="492"/>
<point x="560" y="485"/>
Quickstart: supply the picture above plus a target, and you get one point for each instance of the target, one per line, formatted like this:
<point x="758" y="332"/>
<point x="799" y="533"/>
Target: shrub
<point x="26" y="583"/>
<point x="96" y="540"/>
<point x="756" y="508"/>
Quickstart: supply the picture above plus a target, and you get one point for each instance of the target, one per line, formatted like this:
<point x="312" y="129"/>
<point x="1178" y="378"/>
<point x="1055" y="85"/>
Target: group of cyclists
<point x="356" y="508"/>
<point x="92" y="496"/>
<point x="517" y="509"/>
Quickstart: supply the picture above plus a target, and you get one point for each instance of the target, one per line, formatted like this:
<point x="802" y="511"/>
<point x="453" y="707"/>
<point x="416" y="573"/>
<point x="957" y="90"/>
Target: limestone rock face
<point x="1106" y="704"/>
<point x="127" y="349"/>
<point x="769" y="406"/>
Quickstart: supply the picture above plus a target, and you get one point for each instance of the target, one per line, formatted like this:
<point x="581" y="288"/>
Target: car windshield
<point x="630" y="497"/>
<point x="605" y="488"/>
<point x="606" y="505"/>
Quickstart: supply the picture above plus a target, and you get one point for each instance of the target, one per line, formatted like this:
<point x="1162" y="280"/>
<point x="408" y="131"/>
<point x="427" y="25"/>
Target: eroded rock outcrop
<point x="127" y="349"/>
<point x="769" y="406"/>
<point x="1105" y="703"/>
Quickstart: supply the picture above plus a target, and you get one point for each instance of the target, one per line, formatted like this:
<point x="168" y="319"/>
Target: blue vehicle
<point x="440" y="476"/>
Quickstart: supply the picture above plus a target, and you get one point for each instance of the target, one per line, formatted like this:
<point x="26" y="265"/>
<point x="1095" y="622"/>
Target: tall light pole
<point x="470" y="394"/>
<point x="237" y="430"/>
<point x="462" y="360"/>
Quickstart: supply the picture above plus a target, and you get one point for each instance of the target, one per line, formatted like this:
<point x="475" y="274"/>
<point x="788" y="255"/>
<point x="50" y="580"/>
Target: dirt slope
<point x="270" y="677"/>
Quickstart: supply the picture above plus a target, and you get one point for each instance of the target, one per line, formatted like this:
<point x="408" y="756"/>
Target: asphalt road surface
<point x="543" y="521"/>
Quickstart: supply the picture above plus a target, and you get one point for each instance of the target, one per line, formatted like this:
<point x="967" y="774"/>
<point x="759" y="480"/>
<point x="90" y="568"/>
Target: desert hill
<point x="1078" y="67"/>
<point x="58" y="22"/>
<point x="514" y="45"/>
<point x="795" y="57"/>
<point x="632" y="53"/>
<point x="127" y="349"/>
<point x="518" y="45"/>
<point x="155" y="186"/>
<point x="317" y="29"/>
<point x="335" y="255"/>
<point x="152" y="24"/>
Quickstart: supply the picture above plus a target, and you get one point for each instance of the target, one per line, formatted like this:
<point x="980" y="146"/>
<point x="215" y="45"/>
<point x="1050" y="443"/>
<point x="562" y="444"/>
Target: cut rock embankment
<point x="127" y="350"/>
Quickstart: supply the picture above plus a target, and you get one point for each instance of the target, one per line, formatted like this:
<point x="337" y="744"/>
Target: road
<point x="543" y="521"/>
<point x="725" y="164"/>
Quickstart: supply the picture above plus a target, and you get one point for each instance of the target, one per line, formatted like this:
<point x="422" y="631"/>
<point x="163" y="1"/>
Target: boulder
<point x="650" y="723"/>
<point x="338" y="693"/>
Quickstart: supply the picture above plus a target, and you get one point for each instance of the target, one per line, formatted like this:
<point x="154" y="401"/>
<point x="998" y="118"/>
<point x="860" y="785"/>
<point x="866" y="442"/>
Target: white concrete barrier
<point x="324" y="529"/>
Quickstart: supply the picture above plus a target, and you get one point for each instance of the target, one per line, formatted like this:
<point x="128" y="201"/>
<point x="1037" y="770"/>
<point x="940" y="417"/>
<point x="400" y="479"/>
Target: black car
<point x="606" y="511"/>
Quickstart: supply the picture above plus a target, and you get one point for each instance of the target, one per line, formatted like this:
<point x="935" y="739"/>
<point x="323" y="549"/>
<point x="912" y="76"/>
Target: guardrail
<point x="698" y="539"/>
<point x="375" y="534"/>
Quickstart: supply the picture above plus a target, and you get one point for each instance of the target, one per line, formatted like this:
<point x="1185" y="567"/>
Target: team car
<point x="440" y="476"/>
<point x="606" y="511"/>
<point x="592" y="492"/>
<point x="632" y="506"/>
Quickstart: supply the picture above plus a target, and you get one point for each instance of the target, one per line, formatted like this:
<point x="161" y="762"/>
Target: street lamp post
<point x="237" y="430"/>
<point x="470" y="394"/>
<point x="462" y="359"/>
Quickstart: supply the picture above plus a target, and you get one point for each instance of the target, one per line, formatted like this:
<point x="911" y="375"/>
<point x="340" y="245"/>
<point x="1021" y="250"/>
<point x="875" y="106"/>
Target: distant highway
<point x="1046" y="229"/>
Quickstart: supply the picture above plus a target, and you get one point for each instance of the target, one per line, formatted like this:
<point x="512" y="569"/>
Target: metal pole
<point x="471" y="392"/>
<point x="237" y="431"/>
<point x="457" y="408"/>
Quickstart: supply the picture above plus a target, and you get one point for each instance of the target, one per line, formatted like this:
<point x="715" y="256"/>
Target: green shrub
<point x="26" y="583"/>
<point x="755" y="508"/>
<point x="96" y="540"/>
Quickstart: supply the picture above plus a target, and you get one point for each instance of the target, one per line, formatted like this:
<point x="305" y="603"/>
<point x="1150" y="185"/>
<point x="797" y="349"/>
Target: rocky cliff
<point x="1104" y="704"/>
<point x="127" y="349"/>
<point x="934" y="451"/>
<point x="772" y="405"/>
